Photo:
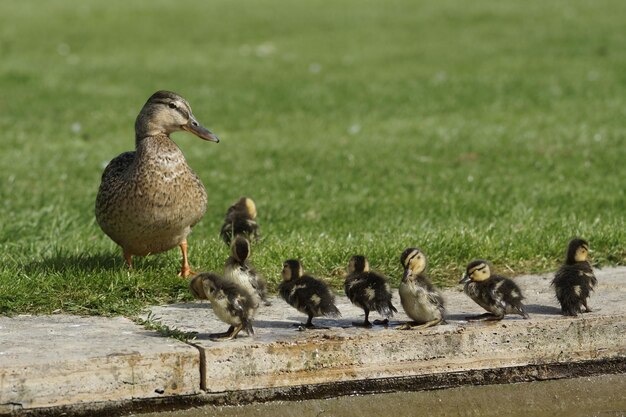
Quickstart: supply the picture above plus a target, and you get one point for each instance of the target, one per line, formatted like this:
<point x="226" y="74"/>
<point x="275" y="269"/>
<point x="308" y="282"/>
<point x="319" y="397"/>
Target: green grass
<point x="481" y="129"/>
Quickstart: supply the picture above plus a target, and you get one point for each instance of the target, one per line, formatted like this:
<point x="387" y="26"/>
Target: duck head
<point x="358" y="263"/>
<point x="166" y="112"/>
<point x="292" y="269"/>
<point x="246" y="205"/>
<point x="476" y="271"/>
<point x="577" y="251"/>
<point x="414" y="262"/>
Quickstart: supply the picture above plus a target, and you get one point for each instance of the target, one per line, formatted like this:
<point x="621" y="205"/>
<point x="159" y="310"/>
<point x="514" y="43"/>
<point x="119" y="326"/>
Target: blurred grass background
<point x="482" y="129"/>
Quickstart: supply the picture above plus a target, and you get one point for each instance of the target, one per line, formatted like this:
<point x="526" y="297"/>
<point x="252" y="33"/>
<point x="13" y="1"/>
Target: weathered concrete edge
<point x="503" y="375"/>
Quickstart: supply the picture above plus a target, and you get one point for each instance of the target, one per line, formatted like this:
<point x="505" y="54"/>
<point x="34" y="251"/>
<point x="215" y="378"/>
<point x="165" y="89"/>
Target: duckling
<point x="496" y="294"/>
<point x="419" y="297"/>
<point x="368" y="290"/>
<point x="239" y="270"/>
<point x="240" y="220"/>
<point x="575" y="280"/>
<point x="306" y="293"/>
<point x="149" y="199"/>
<point x="231" y="303"/>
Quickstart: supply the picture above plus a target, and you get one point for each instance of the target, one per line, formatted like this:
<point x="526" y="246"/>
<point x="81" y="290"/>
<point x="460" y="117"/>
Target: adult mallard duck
<point x="150" y="199"/>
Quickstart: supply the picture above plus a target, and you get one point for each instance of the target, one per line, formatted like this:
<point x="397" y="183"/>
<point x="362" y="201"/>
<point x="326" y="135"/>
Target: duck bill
<point x="200" y="131"/>
<point x="465" y="279"/>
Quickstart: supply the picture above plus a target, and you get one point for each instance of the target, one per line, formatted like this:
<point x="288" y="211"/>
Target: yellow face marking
<point x="417" y="263"/>
<point x="480" y="272"/>
<point x="581" y="254"/>
<point x="250" y="208"/>
<point x="407" y="260"/>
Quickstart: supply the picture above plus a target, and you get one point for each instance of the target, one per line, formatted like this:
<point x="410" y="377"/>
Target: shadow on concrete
<point x="459" y="317"/>
<point x="542" y="309"/>
<point x="269" y="324"/>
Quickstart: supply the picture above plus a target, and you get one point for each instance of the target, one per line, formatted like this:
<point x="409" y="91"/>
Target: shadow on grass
<point x="66" y="263"/>
<point x="62" y="263"/>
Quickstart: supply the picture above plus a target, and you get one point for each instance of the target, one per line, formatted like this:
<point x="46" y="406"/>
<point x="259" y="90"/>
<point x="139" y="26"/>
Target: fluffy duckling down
<point x="575" y="280"/>
<point x="421" y="301"/>
<point x="239" y="270"/>
<point x="496" y="294"/>
<point x="368" y="290"/>
<point x="240" y="220"/>
<point x="307" y="294"/>
<point x="231" y="303"/>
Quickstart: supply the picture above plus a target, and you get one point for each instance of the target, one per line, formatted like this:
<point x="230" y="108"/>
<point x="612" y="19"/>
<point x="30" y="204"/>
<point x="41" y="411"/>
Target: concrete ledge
<point x="52" y="361"/>
<point x="55" y="365"/>
<point x="342" y="356"/>
<point x="335" y="389"/>
<point x="279" y="356"/>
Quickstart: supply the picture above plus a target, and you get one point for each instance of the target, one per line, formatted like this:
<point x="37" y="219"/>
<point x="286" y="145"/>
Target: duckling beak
<point x="465" y="279"/>
<point x="200" y="131"/>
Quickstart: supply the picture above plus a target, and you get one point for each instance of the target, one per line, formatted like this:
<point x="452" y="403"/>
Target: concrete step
<point x="82" y="363"/>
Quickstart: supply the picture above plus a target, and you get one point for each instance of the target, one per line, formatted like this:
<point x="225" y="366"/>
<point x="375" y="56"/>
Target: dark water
<point x="601" y="396"/>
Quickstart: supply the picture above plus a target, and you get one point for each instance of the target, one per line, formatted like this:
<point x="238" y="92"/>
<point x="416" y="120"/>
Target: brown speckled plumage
<point x="150" y="199"/>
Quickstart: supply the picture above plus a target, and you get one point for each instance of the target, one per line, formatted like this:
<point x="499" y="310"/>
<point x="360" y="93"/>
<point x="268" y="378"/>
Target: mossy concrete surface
<point x="50" y="363"/>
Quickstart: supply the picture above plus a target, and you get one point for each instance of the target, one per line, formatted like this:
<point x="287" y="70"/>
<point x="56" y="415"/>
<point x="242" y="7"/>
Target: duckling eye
<point x="172" y="105"/>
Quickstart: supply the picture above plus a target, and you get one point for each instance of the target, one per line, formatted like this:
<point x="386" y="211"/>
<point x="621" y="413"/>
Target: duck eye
<point x="172" y="105"/>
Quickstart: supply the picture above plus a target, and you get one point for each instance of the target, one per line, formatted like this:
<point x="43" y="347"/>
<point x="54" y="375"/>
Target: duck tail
<point x="392" y="307"/>
<point x="333" y="311"/>
<point x="386" y="310"/>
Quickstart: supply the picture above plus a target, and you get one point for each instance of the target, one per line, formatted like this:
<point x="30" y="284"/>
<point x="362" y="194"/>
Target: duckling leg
<point x="568" y="312"/>
<point x="220" y="336"/>
<point x="416" y="326"/>
<point x="229" y="334"/>
<point x="235" y="332"/>
<point x="366" y="322"/>
<point x="587" y="309"/>
<point x="485" y="317"/>
<point x="185" y="270"/>
<point x="309" y="325"/>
